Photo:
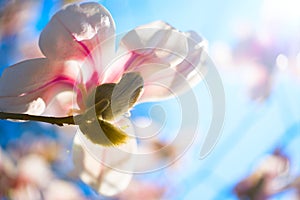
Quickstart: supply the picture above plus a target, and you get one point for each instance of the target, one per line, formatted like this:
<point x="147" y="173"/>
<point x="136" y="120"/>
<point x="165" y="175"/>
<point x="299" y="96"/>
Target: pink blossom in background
<point x="269" y="177"/>
<point x="27" y="173"/>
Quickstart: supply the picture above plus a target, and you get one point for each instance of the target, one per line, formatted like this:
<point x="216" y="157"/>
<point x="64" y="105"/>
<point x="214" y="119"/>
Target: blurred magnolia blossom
<point x="13" y="16"/>
<point x="256" y="57"/>
<point x="83" y="75"/>
<point x="295" y="62"/>
<point x="17" y="42"/>
<point x="269" y="178"/>
<point x="26" y="173"/>
<point x="45" y="147"/>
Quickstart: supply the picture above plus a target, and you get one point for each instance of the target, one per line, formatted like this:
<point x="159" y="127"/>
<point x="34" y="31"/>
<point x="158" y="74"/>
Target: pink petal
<point x="75" y="31"/>
<point x="26" y="86"/>
<point x="170" y="61"/>
<point x="94" y="66"/>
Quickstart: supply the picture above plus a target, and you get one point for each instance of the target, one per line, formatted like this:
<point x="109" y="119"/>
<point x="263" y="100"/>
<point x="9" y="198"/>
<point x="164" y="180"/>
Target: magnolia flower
<point x="257" y="55"/>
<point x="83" y="74"/>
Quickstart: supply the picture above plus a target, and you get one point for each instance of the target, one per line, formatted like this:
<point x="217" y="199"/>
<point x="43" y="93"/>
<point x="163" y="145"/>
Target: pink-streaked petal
<point x="75" y="31"/>
<point x="94" y="65"/>
<point x="30" y="75"/>
<point x="107" y="170"/>
<point x="171" y="62"/>
<point x="37" y="103"/>
<point x="156" y="42"/>
<point x="173" y="81"/>
<point x="28" y="86"/>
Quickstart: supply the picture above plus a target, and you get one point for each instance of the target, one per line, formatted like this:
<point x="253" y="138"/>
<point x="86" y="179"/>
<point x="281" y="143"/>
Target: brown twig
<point x="60" y="121"/>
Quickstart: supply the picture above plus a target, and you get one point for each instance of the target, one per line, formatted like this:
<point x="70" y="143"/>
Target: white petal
<point x="106" y="169"/>
<point x="36" y="170"/>
<point x="62" y="190"/>
<point x="36" y="107"/>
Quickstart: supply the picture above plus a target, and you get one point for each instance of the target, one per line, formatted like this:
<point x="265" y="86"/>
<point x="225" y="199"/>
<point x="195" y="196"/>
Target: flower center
<point x="105" y="105"/>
